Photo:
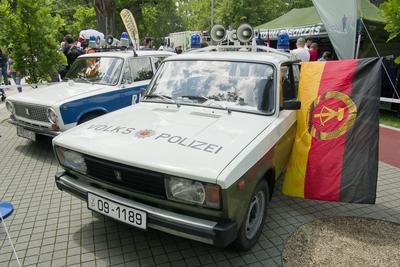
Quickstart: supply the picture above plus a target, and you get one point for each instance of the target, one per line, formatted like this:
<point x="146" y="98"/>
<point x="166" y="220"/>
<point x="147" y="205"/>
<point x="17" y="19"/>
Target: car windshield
<point x="232" y="85"/>
<point x="102" y="70"/>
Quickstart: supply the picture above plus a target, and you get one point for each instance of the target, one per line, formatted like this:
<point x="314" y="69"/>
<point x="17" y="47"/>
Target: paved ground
<point x="51" y="228"/>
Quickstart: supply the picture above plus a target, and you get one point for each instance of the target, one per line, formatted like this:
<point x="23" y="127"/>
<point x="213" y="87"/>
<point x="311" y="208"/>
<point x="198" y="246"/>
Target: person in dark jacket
<point x="3" y="67"/>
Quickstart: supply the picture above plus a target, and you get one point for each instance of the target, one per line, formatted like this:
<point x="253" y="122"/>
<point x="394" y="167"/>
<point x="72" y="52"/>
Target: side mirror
<point x="292" y="104"/>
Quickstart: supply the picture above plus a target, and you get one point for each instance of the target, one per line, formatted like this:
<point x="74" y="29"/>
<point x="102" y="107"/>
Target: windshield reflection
<point x="235" y="85"/>
<point x="102" y="70"/>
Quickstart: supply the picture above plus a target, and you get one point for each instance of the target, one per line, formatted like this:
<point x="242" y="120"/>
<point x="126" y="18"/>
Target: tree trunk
<point x="105" y="14"/>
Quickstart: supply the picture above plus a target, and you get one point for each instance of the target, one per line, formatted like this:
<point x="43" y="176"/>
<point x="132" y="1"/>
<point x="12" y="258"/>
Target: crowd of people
<point x="307" y="50"/>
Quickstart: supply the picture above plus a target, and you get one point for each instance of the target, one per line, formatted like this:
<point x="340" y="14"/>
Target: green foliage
<point x="84" y="18"/>
<point x="391" y="12"/>
<point x="195" y="14"/>
<point x="30" y="30"/>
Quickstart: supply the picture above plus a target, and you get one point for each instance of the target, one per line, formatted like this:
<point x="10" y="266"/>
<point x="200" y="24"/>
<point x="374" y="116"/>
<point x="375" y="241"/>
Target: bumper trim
<point x="206" y="231"/>
<point x="34" y="128"/>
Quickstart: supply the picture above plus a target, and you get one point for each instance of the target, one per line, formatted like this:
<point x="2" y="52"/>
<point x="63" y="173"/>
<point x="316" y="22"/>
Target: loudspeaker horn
<point x="112" y="41"/>
<point x="232" y="36"/>
<point x="218" y="33"/>
<point x="245" y="33"/>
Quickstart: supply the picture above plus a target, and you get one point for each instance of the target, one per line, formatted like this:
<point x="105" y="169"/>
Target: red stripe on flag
<point x="325" y="158"/>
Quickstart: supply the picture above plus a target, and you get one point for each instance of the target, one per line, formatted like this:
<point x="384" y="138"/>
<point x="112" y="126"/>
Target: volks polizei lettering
<point x="111" y="129"/>
<point x="172" y="139"/>
<point x="195" y="144"/>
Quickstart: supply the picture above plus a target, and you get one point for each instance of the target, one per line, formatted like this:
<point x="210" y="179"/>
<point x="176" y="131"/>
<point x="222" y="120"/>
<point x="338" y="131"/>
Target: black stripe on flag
<point x="360" y="163"/>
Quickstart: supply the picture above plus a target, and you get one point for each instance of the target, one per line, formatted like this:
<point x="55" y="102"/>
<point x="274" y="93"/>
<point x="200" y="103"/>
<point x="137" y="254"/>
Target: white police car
<point x="199" y="155"/>
<point x="96" y="84"/>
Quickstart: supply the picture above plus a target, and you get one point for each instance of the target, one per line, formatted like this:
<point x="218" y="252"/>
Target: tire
<point x="89" y="117"/>
<point x="254" y="219"/>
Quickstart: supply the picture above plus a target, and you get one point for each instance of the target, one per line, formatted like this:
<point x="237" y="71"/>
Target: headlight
<point x="71" y="159"/>
<point x="51" y="115"/>
<point x="10" y="107"/>
<point x="189" y="191"/>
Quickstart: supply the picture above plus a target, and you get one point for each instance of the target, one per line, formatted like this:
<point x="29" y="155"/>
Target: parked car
<point x="199" y="156"/>
<point x="96" y="84"/>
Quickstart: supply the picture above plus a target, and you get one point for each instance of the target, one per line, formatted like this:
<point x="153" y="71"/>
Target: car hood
<point x="191" y="142"/>
<point x="49" y="95"/>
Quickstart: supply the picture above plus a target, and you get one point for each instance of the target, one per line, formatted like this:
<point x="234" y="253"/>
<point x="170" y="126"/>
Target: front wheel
<point x="255" y="217"/>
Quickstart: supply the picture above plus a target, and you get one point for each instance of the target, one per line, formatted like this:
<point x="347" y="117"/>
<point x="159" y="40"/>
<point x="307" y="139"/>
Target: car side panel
<point x="72" y="111"/>
<point x="236" y="198"/>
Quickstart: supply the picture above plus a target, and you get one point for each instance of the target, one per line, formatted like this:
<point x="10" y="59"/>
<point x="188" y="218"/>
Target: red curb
<point x="389" y="146"/>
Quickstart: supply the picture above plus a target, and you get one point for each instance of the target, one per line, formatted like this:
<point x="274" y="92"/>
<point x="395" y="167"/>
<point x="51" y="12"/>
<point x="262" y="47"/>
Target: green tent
<point x="304" y="22"/>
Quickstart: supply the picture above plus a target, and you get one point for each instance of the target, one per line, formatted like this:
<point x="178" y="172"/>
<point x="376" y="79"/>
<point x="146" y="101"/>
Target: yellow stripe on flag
<point x="293" y="184"/>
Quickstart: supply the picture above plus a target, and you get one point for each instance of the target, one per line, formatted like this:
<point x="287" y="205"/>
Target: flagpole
<point x="377" y="52"/>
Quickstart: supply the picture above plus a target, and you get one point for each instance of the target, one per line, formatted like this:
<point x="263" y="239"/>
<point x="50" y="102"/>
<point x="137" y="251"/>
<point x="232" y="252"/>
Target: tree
<point x="391" y="12"/>
<point x="83" y="18"/>
<point x="30" y="29"/>
<point x="255" y="12"/>
<point x="105" y="13"/>
<point x="195" y="14"/>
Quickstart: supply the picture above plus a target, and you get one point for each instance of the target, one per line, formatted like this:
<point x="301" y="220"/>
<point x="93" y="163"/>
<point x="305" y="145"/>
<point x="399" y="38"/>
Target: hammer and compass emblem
<point x="321" y="115"/>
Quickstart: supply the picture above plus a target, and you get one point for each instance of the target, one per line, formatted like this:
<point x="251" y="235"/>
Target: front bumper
<point x="34" y="128"/>
<point x="210" y="232"/>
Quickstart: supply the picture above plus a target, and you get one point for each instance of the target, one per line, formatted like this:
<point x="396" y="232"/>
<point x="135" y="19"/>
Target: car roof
<point x="262" y="57"/>
<point x="129" y="53"/>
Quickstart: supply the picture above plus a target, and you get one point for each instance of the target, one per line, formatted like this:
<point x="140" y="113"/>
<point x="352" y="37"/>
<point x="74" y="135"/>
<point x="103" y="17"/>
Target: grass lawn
<point x="389" y="118"/>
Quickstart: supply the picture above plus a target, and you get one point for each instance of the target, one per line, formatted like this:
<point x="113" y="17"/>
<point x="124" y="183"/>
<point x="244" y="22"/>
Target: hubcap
<point x="255" y="214"/>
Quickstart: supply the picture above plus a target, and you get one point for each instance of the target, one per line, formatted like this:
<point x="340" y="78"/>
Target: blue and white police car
<point x="96" y="84"/>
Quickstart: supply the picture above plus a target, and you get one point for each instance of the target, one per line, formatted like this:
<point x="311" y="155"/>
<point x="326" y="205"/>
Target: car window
<point x="127" y="74"/>
<point x="235" y="85"/>
<point x="289" y="80"/>
<point x="141" y="68"/>
<point x="102" y="70"/>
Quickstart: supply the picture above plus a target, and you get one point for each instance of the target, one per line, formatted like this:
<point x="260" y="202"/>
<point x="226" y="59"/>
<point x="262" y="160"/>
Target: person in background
<point x="301" y="52"/>
<point x="3" y="67"/>
<point x="309" y="41"/>
<point x="71" y="52"/>
<point x="12" y="72"/>
<point x="148" y="44"/>
<point x="313" y="52"/>
<point x="326" y="56"/>
<point x="178" y="50"/>
<point x="203" y="44"/>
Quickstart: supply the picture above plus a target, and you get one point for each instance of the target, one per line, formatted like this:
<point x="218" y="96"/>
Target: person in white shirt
<point x="301" y="52"/>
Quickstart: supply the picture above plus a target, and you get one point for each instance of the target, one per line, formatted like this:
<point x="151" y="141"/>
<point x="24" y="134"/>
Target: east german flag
<point x="335" y="153"/>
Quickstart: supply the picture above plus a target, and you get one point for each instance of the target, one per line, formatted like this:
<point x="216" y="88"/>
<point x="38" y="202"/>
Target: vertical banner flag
<point x="335" y="153"/>
<point x="340" y="20"/>
<point x="130" y="25"/>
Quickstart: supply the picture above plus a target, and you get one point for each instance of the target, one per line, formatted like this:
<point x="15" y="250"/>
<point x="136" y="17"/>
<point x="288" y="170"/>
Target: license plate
<point x="26" y="134"/>
<point x="117" y="211"/>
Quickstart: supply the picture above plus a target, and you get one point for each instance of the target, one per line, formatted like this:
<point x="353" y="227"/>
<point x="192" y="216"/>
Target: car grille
<point x="137" y="179"/>
<point x="32" y="112"/>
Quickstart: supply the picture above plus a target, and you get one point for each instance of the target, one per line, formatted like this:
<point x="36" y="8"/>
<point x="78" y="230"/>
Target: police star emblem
<point x="144" y="133"/>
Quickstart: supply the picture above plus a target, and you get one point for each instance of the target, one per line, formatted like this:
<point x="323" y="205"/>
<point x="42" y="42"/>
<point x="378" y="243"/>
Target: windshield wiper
<point x="163" y="97"/>
<point x="212" y="101"/>
<point x="196" y="97"/>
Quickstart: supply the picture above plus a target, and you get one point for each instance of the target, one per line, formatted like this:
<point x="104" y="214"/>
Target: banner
<point x="295" y="32"/>
<point x="340" y="20"/>
<point x="335" y="153"/>
<point x="130" y="25"/>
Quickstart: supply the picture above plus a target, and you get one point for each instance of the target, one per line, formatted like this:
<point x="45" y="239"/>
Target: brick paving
<point x="52" y="228"/>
